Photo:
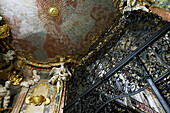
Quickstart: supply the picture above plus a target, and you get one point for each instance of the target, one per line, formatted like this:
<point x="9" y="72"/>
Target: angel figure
<point x="59" y="75"/>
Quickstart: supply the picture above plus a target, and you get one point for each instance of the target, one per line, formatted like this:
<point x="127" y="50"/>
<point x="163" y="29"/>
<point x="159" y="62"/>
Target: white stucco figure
<point x="0" y="18"/>
<point x="25" y="84"/>
<point x="35" y="80"/>
<point x="36" y="76"/>
<point x="59" y="73"/>
<point x="5" y="94"/>
<point x="55" y="73"/>
<point x="134" y="5"/>
<point x="9" y="56"/>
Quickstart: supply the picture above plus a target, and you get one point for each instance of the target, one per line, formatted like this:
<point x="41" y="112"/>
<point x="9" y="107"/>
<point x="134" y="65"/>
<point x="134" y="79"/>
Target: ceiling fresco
<point x="68" y="32"/>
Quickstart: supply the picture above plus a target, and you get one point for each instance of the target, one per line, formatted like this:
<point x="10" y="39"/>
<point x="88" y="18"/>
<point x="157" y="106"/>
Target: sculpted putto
<point x="59" y="73"/>
<point x="35" y="80"/>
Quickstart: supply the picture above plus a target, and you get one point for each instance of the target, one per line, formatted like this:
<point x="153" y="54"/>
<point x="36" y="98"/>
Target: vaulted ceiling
<point x="48" y="28"/>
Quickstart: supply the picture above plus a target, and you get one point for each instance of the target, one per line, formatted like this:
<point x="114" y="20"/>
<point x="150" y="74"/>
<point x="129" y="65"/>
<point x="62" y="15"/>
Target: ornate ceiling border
<point x="28" y="59"/>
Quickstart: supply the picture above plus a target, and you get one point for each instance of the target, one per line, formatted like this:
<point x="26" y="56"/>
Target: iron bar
<point x="158" y="95"/>
<point x="131" y="94"/>
<point x="154" y="88"/>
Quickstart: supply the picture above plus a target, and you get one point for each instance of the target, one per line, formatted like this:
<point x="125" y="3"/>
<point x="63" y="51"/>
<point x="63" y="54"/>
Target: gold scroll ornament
<point x="38" y="99"/>
<point x="4" y="31"/>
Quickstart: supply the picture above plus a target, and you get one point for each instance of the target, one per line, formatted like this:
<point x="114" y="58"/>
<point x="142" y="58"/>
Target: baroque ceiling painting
<point x="84" y="56"/>
<point x="47" y="28"/>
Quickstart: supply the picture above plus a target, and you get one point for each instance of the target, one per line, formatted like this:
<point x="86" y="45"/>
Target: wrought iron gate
<point x="126" y="59"/>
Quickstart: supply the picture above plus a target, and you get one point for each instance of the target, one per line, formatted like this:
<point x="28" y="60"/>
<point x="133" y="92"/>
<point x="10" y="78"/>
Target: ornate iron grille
<point x="134" y="57"/>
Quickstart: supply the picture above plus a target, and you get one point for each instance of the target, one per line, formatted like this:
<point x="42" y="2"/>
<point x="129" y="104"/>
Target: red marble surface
<point x="62" y="101"/>
<point x="164" y="14"/>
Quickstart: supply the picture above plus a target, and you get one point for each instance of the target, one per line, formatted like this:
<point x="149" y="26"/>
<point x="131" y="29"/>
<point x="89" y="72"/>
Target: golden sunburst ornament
<point x="53" y="11"/>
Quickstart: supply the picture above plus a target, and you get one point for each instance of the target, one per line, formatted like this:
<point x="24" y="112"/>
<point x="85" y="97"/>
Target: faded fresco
<point x="68" y="33"/>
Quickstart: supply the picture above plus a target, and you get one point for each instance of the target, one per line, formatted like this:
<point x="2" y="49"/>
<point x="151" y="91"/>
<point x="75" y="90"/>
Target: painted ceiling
<point x="68" y="33"/>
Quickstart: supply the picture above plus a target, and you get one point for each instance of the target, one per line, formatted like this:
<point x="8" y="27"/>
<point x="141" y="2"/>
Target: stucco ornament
<point x="5" y="94"/>
<point x="53" y="11"/>
<point x="9" y="56"/>
<point x="0" y="18"/>
<point x="35" y="80"/>
<point x="134" y="5"/>
<point x="59" y="74"/>
<point x="4" y="29"/>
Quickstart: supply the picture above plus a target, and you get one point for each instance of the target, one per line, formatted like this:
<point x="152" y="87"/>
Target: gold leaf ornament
<point x="37" y="100"/>
<point x="4" y="31"/>
<point x="53" y="11"/>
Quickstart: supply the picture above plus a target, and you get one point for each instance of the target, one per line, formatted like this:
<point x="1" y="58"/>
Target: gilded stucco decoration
<point x="48" y="28"/>
<point x="10" y="64"/>
<point x="55" y="26"/>
<point x="53" y="11"/>
<point x="4" y="31"/>
<point x="38" y="98"/>
<point x="55" y="37"/>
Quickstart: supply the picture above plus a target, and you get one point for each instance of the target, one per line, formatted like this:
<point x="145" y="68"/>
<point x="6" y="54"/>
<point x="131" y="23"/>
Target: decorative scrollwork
<point x="97" y="85"/>
<point x="4" y="31"/>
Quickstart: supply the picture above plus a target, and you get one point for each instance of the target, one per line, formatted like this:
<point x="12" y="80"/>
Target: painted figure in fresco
<point x="5" y="94"/>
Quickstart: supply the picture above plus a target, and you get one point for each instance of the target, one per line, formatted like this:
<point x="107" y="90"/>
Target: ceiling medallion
<point x="53" y="11"/>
